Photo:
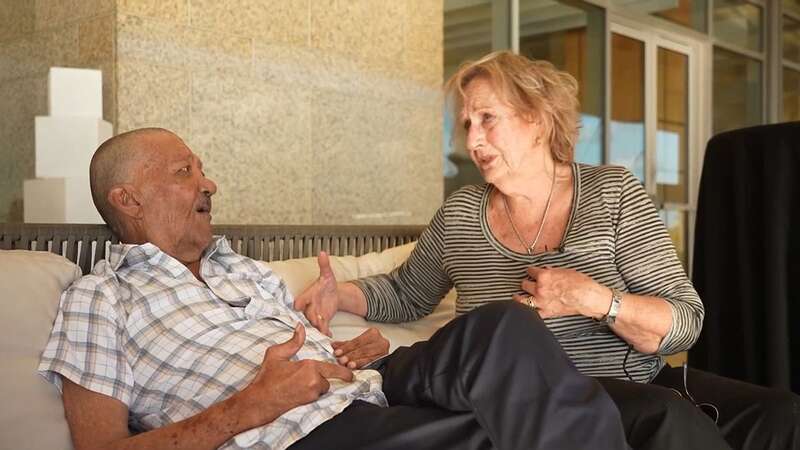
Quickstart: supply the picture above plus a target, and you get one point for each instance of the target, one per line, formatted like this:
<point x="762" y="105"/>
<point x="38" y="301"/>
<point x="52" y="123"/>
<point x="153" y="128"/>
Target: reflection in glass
<point x="738" y="22"/>
<point x="678" y="229"/>
<point x="572" y="39"/>
<point x="791" y="39"/>
<point x="689" y="13"/>
<point x="627" y="139"/>
<point x="792" y="6"/>
<point x="791" y="95"/>
<point x="673" y="126"/>
<point x="467" y="32"/>
<point x="737" y="91"/>
<point x="467" y="36"/>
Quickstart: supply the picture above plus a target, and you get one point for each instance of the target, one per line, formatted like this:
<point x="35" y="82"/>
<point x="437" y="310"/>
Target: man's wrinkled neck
<point x="189" y="256"/>
<point x="194" y="267"/>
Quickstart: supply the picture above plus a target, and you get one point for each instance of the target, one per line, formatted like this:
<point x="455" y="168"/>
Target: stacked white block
<point x="65" y="142"/>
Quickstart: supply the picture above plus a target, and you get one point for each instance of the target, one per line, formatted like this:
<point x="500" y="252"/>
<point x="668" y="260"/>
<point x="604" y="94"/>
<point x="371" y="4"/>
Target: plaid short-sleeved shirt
<point x="143" y="330"/>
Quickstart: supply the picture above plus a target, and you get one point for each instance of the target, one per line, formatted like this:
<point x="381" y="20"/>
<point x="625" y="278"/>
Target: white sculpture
<point x="65" y="142"/>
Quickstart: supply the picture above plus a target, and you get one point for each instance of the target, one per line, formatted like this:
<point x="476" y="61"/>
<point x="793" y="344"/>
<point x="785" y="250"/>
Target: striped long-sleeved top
<point x="614" y="235"/>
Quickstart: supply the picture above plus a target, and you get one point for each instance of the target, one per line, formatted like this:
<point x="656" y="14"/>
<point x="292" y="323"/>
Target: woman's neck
<point x="533" y="186"/>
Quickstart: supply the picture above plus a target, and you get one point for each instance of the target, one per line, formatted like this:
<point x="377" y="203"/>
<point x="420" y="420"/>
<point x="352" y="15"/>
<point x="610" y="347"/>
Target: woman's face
<point x="499" y="140"/>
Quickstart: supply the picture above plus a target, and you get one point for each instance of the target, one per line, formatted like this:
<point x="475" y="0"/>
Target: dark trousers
<point x="493" y="378"/>
<point x="748" y="416"/>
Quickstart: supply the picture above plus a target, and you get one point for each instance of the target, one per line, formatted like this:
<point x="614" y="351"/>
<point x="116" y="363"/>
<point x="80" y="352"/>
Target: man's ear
<point x="125" y="199"/>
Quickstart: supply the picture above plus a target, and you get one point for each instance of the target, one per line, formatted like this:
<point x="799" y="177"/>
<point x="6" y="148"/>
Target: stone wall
<point x="35" y="35"/>
<point x="304" y="111"/>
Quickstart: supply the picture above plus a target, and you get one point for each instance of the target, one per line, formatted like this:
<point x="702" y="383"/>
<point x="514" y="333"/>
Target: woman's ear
<point x="125" y="200"/>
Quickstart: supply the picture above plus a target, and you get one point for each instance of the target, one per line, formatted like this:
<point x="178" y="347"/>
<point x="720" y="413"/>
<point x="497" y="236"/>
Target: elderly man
<point x="176" y="341"/>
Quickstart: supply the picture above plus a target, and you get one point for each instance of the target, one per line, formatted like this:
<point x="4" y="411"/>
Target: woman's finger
<point x="519" y="298"/>
<point x="313" y="316"/>
<point x="533" y="272"/>
<point x="529" y="286"/>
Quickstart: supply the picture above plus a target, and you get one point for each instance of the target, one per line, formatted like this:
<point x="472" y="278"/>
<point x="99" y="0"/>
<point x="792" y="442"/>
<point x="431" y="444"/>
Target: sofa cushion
<point x="32" y="416"/>
<point x="299" y="273"/>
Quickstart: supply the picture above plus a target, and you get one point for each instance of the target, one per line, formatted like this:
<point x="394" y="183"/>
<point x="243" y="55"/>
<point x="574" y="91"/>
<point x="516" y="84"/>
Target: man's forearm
<point x="352" y="299"/>
<point x="206" y="430"/>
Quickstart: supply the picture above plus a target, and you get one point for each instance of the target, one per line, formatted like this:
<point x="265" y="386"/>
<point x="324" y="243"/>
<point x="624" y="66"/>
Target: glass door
<point x="654" y="114"/>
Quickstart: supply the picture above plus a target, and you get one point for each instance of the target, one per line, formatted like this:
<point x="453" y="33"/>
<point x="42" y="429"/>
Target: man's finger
<point x="359" y="341"/>
<point x="362" y="361"/>
<point x="289" y="348"/>
<point x="329" y="370"/>
<point x="324" y="386"/>
<point x="344" y="347"/>
<point x="370" y="351"/>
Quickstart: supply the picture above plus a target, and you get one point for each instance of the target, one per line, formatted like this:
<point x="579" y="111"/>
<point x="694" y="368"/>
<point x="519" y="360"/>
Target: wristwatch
<point x="616" y="303"/>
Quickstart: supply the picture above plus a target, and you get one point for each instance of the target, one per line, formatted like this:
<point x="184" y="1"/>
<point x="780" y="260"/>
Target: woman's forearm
<point x="352" y="299"/>
<point x="642" y="321"/>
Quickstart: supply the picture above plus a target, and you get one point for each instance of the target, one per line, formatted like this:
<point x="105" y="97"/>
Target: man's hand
<point x="282" y="384"/>
<point x="356" y="353"/>
<point x="97" y="421"/>
<point x="320" y="301"/>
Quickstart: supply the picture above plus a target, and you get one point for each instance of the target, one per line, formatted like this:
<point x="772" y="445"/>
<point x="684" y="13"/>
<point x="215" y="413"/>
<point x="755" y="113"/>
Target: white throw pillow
<point x="299" y="273"/>
<point x="32" y="416"/>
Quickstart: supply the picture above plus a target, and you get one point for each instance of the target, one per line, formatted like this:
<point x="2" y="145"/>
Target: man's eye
<point x="184" y="169"/>
<point x="466" y="125"/>
<point x="486" y="117"/>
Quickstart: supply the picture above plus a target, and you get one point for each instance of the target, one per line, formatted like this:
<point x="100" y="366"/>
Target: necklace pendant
<point x="529" y="250"/>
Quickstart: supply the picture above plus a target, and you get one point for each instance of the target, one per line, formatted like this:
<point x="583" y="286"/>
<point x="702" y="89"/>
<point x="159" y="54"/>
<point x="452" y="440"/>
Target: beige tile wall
<point x="304" y="111"/>
<point x="35" y="35"/>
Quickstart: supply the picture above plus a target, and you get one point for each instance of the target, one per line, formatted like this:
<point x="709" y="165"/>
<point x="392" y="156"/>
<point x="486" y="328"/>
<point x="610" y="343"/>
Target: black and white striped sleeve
<point x="412" y="290"/>
<point x="646" y="258"/>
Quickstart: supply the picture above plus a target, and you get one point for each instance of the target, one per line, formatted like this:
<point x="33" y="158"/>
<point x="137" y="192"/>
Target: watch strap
<point x="616" y="303"/>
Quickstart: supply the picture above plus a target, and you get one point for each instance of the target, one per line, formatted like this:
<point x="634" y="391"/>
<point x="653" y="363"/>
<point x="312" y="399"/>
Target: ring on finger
<point x="531" y="301"/>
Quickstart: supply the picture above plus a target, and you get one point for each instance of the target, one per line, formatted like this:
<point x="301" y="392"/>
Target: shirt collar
<point x="130" y="255"/>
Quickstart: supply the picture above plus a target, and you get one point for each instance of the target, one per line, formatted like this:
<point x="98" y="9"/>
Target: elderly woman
<point x="582" y="245"/>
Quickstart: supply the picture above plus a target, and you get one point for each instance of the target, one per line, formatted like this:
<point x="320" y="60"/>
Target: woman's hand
<point x="320" y="301"/>
<point x="564" y="292"/>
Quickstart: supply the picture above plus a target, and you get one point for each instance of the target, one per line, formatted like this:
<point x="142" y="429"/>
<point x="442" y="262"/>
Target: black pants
<point x="749" y="416"/>
<point x="493" y="378"/>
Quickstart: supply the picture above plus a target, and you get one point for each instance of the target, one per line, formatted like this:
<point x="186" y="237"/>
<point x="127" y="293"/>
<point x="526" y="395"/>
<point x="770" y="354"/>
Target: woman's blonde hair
<point x="534" y="88"/>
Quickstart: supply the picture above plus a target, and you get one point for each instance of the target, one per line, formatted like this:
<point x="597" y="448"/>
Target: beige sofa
<point x="32" y="417"/>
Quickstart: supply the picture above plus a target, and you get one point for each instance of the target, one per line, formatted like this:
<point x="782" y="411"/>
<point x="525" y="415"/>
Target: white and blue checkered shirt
<point x="143" y="330"/>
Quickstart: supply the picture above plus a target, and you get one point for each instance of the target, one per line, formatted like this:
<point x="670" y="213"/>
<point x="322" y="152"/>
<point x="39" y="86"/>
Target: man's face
<point x="175" y="197"/>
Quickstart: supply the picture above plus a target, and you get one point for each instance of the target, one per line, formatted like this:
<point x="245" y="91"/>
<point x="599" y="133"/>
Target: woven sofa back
<point x="80" y="243"/>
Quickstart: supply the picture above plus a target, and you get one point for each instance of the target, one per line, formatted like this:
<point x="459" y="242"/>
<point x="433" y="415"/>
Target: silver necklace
<point x="529" y="248"/>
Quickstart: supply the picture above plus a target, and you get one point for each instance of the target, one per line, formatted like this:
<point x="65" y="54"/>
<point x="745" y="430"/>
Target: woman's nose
<point x="475" y="138"/>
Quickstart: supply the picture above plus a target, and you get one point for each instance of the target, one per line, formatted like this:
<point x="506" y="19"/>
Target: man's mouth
<point x="204" y="208"/>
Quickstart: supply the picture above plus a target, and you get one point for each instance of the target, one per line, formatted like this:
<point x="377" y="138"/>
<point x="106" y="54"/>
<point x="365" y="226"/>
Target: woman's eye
<point x="487" y="117"/>
<point x="466" y="125"/>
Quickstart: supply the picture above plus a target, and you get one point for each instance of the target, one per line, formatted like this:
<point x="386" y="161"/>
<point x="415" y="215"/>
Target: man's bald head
<point x="117" y="161"/>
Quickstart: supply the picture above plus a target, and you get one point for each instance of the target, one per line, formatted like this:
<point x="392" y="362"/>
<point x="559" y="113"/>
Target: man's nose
<point x="208" y="187"/>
